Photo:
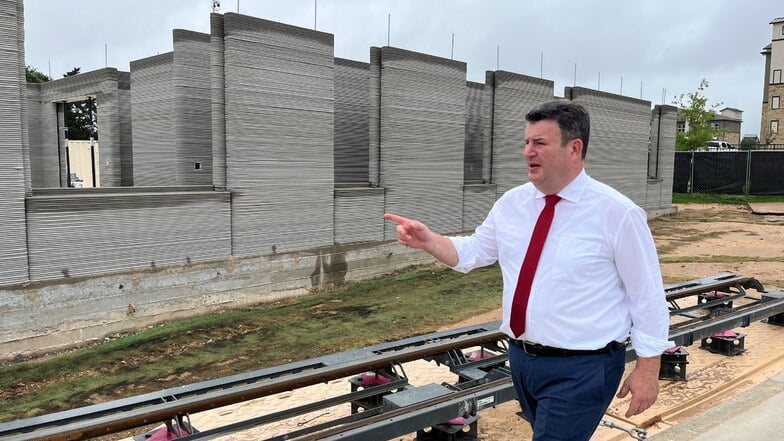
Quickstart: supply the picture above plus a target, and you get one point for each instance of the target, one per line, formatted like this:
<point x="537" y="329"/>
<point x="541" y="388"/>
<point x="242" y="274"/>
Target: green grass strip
<point x="231" y="342"/>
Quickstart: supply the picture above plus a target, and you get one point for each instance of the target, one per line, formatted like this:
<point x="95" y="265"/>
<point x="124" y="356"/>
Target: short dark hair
<point x="572" y="119"/>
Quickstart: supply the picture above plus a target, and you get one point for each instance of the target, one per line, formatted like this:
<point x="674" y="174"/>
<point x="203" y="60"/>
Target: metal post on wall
<point x="658" y="143"/>
<point x="690" y="186"/>
<point x="747" y="187"/>
<point x="69" y="183"/>
<point x="61" y="134"/>
<point x="92" y="161"/>
<point x="91" y="104"/>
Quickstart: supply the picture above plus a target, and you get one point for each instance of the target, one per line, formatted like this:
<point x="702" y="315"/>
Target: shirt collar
<point x="573" y="191"/>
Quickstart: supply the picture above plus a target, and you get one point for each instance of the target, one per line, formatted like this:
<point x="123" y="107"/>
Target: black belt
<point x="549" y="351"/>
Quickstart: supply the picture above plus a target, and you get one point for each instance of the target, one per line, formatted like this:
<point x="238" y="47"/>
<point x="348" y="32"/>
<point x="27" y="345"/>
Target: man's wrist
<point x="649" y="364"/>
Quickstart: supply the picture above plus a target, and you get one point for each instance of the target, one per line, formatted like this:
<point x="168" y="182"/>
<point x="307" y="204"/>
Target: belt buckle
<point x="525" y="345"/>
<point x="520" y="344"/>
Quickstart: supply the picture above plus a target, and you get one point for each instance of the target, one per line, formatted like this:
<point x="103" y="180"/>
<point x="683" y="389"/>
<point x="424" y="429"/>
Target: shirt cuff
<point x="460" y="244"/>
<point x="647" y="346"/>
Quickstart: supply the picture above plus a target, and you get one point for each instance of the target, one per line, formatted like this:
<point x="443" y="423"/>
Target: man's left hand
<point x="643" y="383"/>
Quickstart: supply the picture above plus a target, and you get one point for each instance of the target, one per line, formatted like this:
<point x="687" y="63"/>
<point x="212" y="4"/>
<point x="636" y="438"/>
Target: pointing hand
<point x="410" y="233"/>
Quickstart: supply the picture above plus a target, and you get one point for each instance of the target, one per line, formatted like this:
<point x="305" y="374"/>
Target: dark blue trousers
<point x="564" y="398"/>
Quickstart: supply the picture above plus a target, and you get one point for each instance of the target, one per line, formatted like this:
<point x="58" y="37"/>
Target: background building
<point x="728" y="120"/>
<point x="772" y="111"/>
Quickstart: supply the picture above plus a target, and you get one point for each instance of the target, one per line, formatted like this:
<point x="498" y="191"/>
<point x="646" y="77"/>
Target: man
<point x="594" y="280"/>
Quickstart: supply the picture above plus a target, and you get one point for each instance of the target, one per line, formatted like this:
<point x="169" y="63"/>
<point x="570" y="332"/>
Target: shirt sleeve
<point x="638" y="267"/>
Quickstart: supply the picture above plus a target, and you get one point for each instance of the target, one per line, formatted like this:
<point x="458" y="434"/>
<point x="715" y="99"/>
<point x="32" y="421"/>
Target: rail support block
<point x="673" y="364"/>
<point x="777" y="319"/>
<point x="725" y="343"/>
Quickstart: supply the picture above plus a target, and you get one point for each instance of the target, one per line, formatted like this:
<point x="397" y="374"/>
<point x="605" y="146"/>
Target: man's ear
<point x="576" y="147"/>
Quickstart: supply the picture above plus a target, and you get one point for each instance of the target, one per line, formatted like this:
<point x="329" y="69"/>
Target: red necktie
<point x="531" y="261"/>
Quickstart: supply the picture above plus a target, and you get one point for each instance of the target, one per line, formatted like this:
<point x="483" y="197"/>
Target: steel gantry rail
<point x="482" y="383"/>
<point x="115" y="416"/>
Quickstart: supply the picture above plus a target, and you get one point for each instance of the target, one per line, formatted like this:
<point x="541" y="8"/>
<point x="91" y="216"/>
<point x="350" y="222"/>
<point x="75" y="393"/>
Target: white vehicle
<point x="716" y="146"/>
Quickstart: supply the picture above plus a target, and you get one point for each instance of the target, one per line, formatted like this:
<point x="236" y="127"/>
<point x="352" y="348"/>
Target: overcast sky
<point x="655" y="50"/>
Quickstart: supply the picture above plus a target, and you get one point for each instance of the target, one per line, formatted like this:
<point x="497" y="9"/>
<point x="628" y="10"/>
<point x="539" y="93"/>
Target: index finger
<point x="395" y="218"/>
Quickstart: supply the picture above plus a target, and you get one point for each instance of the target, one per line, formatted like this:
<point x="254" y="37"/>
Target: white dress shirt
<point x="598" y="277"/>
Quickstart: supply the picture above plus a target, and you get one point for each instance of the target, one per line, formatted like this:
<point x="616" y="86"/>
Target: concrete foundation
<point x="81" y="311"/>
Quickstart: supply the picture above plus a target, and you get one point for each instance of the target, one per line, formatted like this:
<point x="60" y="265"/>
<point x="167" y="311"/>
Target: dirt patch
<point x="703" y="240"/>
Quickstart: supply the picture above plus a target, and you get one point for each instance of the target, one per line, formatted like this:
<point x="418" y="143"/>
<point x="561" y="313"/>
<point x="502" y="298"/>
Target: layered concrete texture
<point x="358" y="214"/>
<point x="422" y="137"/>
<point x="152" y="108"/>
<point x="46" y="104"/>
<point x="620" y="135"/>
<point x="44" y="148"/>
<point x="218" y="102"/>
<point x="125" y="128"/>
<point x="352" y="101"/>
<point x="661" y="158"/>
<point x="515" y="95"/>
<point x="22" y="96"/>
<point x="479" y="193"/>
<point x="279" y="135"/>
<point x="85" y="233"/>
<point x="478" y="199"/>
<point x="358" y="205"/>
<point x="109" y="87"/>
<point x="46" y="139"/>
<point x="474" y="132"/>
<point x="374" y="118"/>
<point x="192" y="111"/>
<point x="13" y="240"/>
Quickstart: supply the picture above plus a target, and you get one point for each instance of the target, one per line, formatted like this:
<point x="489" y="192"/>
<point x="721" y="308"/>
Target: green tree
<point x="81" y="120"/>
<point x="34" y="75"/>
<point x="692" y="108"/>
<point x="748" y="143"/>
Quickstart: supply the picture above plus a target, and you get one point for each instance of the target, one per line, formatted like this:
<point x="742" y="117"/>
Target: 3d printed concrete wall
<point x="422" y="137"/>
<point x="99" y="231"/>
<point x="306" y="154"/>
<point x="279" y="135"/>
<point x="475" y="115"/>
<point x="661" y="160"/>
<point x="352" y="100"/>
<point x="43" y="140"/>
<point x="514" y="96"/>
<point x="192" y="108"/>
<point x="620" y="133"/>
<point x="110" y="89"/>
<point x="152" y="108"/>
<point x="13" y="241"/>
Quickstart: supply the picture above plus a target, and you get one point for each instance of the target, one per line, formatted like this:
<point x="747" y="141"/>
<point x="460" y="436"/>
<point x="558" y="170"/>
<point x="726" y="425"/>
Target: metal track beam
<point x="725" y="282"/>
<point x="169" y="404"/>
<point x="115" y="417"/>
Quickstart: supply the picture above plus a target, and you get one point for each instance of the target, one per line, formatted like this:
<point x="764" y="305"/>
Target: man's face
<point x="551" y="165"/>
